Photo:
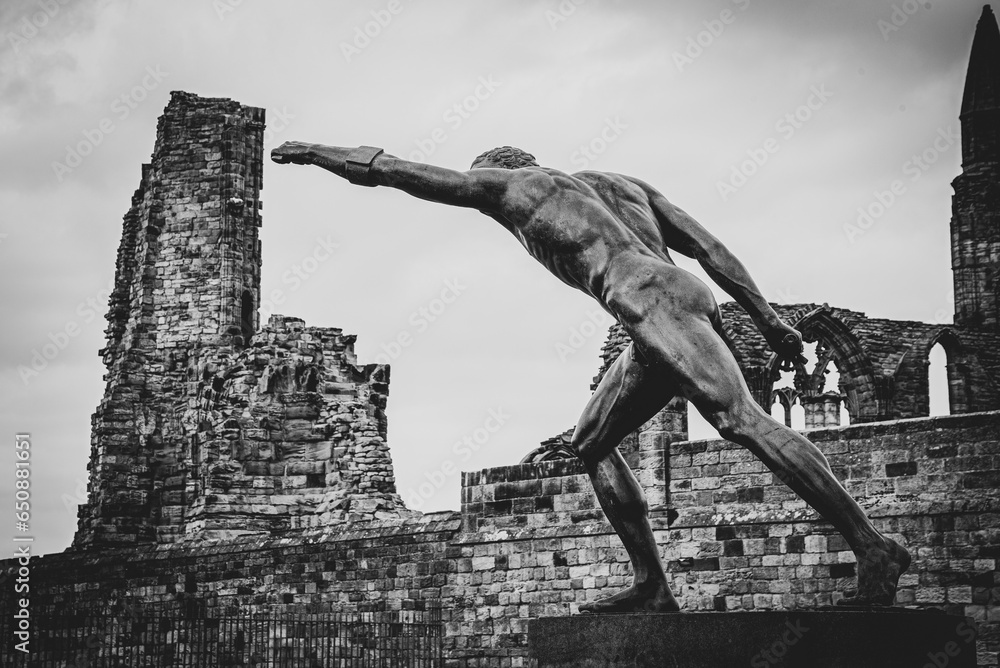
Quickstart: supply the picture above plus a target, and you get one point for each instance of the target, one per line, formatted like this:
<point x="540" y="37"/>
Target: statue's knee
<point x="728" y="423"/>
<point x="738" y="423"/>
<point x="586" y="450"/>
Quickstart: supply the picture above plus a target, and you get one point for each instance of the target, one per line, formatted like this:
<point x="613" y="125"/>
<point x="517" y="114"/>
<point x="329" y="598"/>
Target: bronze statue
<point x="608" y="235"/>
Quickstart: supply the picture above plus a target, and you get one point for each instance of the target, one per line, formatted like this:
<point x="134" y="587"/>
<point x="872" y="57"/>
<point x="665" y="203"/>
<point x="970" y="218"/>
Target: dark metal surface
<point x="787" y="639"/>
<point x="610" y="236"/>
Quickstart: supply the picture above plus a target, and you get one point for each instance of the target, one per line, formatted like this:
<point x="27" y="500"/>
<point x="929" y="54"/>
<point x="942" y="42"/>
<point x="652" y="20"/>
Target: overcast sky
<point x="832" y="99"/>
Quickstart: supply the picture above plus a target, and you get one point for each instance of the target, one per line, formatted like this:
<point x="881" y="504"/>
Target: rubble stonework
<point x="975" y="223"/>
<point x="530" y="541"/>
<point x="210" y="427"/>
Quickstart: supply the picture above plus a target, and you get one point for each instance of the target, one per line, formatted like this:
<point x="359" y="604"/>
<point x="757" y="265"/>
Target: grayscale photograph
<point x="573" y="334"/>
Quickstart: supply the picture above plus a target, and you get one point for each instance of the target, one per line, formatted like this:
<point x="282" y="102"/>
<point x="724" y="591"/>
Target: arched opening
<point x="808" y="395"/>
<point x="854" y="379"/>
<point x="937" y="381"/>
<point x="246" y="317"/>
<point x="798" y="416"/>
<point x="831" y="378"/>
<point x="778" y="411"/>
<point x="832" y="385"/>
<point x="787" y="390"/>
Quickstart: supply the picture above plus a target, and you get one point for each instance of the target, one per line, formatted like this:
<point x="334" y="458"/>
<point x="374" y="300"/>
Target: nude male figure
<point x="608" y="235"/>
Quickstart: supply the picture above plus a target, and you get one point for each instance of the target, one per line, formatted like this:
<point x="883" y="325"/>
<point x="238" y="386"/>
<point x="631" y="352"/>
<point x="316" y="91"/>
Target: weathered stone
<point x="249" y="400"/>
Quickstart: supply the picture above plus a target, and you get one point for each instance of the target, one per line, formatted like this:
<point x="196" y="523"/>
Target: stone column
<point x="822" y="410"/>
<point x="653" y="469"/>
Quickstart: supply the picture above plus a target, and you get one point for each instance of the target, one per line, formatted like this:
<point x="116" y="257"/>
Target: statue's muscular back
<point x="593" y="230"/>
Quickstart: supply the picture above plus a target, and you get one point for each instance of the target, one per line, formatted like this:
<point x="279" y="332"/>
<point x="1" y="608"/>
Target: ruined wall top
<point x="188" y="267"/>
<point x="211" y="426"/>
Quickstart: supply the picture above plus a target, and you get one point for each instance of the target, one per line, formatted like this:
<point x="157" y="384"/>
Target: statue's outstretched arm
<point x="365" y="165"/>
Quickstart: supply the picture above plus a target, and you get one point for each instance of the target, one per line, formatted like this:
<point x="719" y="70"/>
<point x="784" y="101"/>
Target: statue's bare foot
<point x="651" y="597"/>
<point x="291" y="152"/>
<point x="878" y="575"/>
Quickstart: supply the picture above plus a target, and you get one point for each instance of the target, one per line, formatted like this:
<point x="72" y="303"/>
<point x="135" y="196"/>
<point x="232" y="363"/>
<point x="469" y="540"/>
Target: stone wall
<point x="975" y="221"/>
<point x="210" y="427"/>
<point x="188" y="255"/>
<point x="736" y="539"/>
<point x="287" y="434"/>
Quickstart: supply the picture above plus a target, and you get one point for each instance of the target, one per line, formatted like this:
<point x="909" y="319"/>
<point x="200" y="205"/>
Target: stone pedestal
<point x="828" y="638"/>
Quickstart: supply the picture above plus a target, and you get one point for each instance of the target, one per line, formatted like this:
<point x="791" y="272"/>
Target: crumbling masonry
<point x="209" y="427"/>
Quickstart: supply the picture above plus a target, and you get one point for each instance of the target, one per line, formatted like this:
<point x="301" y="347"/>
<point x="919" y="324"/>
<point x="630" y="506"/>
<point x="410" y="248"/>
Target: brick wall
<point x="737" y="540"/>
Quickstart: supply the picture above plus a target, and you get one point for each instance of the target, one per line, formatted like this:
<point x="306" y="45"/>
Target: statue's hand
<point x="292" y="152"/>
<point x="785" y="341"/>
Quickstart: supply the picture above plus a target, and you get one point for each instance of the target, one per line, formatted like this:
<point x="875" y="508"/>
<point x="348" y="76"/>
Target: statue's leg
<point x="688" y="344"/>
<point x="628" y="395"/>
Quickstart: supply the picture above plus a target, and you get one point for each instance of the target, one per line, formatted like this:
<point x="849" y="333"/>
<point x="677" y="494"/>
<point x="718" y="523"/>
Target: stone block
<point x="800" y="639"/>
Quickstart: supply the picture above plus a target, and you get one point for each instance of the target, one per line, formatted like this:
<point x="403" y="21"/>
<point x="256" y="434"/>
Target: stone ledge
<point x="432" y="523"/>
<point x="870" y="429"/>
<point x="700" y="518"/>
<point x="887" y="638"/>
<point x="532" y="471"/>
<point x="693" y="517"/>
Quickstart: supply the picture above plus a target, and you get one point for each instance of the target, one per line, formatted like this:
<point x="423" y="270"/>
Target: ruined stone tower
<point x="209" y="427"/>
<point x="975" y="224"/>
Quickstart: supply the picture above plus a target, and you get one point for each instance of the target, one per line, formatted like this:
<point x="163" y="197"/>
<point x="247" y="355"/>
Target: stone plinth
<point x="892" y="638"/>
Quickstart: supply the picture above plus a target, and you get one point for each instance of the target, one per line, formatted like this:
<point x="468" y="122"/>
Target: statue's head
<point x="505" y="157"/>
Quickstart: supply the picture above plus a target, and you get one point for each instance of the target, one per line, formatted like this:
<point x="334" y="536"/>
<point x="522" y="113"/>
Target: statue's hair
<point x="506" y="157"/>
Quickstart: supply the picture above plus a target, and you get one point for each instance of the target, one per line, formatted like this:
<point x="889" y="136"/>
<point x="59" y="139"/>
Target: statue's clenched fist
<point x="291" y="152"/>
